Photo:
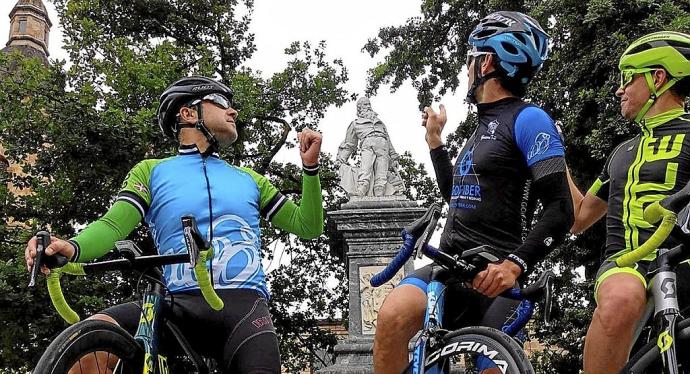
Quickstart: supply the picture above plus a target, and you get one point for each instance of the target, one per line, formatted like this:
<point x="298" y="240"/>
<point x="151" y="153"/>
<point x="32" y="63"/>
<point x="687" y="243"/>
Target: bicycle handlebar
<point x="198" y="257"/>
<point x="652" y="214"/>
<point x="666" y="211"/>
<point x="60" y="266"/>
<point x="398" y="261"/>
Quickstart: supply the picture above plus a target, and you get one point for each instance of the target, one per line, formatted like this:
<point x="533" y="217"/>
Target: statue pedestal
<point x="366" y="234"/>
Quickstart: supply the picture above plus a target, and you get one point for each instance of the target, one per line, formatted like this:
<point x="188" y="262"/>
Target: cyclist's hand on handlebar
<point x="56" y="246"/>
<point x="496" y="278"/>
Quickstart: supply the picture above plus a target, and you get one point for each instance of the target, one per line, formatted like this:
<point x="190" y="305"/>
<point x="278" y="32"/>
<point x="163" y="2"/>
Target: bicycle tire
<point x="85" y="338"/>
<point x="501" y="348"/>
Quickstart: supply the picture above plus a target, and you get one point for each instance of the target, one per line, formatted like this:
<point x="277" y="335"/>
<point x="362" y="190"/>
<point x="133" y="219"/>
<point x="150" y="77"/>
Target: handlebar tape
<point x="400" y="259"/>
<point x="204" y="280"/>
<point x="652" y="214"/>
<point x="55" y="291"/>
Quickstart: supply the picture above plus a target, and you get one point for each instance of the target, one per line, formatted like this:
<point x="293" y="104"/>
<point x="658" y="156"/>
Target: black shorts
<point x="241" y="336"/>
<point x="465" y="306"/>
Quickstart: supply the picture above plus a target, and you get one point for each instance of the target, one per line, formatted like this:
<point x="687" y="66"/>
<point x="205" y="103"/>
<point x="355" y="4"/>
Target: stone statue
<point x="377" y="174"/>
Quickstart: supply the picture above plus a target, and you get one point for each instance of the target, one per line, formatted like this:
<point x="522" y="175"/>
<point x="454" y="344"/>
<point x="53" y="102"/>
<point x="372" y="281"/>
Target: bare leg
<point x="622" y="299"/>
<point x="400" y="317"/>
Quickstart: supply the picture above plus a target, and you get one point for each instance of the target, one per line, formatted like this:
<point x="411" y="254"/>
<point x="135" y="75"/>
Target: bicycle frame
<point x="147" y="331"/>
<point x="663" y="298"/>
<point x="433" y="320"/>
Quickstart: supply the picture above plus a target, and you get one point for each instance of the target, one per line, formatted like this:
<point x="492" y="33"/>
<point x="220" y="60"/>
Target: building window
<point x="22" y="25"/>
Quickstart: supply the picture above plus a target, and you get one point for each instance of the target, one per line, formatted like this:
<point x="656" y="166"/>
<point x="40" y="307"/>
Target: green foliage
<point x="88" y="123"/>
<point x="575" y="86"/>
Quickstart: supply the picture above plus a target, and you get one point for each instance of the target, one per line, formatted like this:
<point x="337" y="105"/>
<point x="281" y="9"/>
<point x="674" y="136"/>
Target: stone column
<point x="365" y="233"/>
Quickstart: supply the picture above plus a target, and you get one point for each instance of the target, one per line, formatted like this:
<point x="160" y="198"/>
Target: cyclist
<point x="227" y="202"/>
<point x="654" y="83"/>
<point x="515" y="153"/>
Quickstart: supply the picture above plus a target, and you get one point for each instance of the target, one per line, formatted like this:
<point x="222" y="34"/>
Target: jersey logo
<point x="140" y="187"/>
<point x="466" y="163"/>
<point x="540" y="146"/>
<point x="491" y="131"/>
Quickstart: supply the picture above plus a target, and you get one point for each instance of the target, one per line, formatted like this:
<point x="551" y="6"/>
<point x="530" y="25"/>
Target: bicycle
<point x="91" y="342"/>
<point x="478" y="347"/>
<point x="659" y="353"/>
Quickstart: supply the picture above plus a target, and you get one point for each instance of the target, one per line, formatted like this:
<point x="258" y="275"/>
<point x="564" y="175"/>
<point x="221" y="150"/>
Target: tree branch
<point x="264" y="164"/>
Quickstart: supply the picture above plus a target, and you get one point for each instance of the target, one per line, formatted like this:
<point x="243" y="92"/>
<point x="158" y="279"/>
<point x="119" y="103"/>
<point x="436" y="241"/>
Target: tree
<point x="575" y="86"/>
<point x="89" y="123"/>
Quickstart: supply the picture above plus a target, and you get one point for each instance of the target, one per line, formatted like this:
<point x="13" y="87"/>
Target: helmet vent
<point x="510" y="48"/>
<point x="485" y="33"/>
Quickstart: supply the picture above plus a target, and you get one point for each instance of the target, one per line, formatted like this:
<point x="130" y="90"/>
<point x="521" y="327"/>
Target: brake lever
<point x="42" y="241"/>
<point x="428" y="232"/>
<point x="548" y="298"/>
<point x="192" y="239"/>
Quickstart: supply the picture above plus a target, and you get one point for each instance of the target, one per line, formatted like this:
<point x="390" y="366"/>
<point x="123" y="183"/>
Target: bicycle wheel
<point x="92" y="346"/>
<point x="480" y="350"/>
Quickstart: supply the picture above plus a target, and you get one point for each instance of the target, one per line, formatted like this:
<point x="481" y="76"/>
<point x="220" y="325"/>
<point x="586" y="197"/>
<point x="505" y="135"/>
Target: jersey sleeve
<point x="600" y="187"/>
<point x="99" y="237"/>
<point x="536" y="136"/>
<point x="124" y="215"/>
<point x="304" y="220"/>
<point x="136" y="189"/>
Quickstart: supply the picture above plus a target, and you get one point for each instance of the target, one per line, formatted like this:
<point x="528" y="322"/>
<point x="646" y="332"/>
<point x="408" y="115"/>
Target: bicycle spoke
<point x="98" y="365"/>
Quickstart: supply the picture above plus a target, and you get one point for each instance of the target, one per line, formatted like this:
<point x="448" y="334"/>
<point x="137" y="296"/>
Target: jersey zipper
<point x="210" y="212"/>
<point x="633" y="179"/>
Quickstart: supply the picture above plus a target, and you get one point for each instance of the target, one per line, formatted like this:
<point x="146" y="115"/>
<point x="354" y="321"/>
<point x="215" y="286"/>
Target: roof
<point x="26" y="51"/>
<point x="32" y="5"/>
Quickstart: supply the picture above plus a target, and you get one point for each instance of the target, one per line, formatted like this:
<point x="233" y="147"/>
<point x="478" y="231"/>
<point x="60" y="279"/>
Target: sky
<point x="345" y="26"/>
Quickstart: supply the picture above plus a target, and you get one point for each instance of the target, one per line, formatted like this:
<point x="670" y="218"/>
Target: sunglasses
<point x="215" y="98"/>
<point x="627" y="75"/>
<point x="473" y="54"/>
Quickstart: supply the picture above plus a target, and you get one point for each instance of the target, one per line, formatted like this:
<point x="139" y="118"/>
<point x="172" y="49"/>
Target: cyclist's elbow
<point x="312" y="231"/>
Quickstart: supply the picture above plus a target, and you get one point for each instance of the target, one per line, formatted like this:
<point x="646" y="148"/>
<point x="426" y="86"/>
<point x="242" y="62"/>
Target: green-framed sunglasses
<point x="627" y="75"/>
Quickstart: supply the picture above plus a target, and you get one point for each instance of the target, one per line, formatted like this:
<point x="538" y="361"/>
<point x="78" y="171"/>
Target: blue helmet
<point x="518" y="40"/>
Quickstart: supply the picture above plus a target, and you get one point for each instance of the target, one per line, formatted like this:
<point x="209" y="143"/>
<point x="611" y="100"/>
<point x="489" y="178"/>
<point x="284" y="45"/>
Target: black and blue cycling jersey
<point x="491" y="191"/>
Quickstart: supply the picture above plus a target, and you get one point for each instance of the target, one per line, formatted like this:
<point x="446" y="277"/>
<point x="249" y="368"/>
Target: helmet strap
<point x="653" y="94"/>
<point x="201" y="126"/>
<point x="478" y="81"/>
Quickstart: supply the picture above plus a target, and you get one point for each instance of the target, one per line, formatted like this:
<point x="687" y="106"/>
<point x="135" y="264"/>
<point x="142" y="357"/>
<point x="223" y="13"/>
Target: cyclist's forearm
<point x="305" y="220"/>
<point x="575" y="193"/>
<point x="99" y="237"/>
<point x="553" y="226"/>
<point x="444" y="171"/>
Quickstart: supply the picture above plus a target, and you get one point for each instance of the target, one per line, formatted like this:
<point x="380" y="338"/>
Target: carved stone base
<point x="365" y="233"/>
<point x="353" y="356"/>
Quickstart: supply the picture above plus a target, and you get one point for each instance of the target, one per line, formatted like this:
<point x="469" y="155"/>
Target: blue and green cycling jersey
<point x="227" y="202"/>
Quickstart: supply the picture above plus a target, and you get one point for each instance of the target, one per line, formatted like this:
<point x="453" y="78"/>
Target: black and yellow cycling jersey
<point x="640" y="171"/>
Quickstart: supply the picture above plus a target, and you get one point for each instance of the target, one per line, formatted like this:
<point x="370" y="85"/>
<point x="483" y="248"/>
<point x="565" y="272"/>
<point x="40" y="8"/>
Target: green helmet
<point x="664" y="48"/>
<point x="667" y="49"/>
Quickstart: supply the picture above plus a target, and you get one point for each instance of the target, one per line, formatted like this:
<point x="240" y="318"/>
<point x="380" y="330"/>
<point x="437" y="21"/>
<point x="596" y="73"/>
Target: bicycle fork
<point x="433" y="319"/>
<point x="147" y="334"/>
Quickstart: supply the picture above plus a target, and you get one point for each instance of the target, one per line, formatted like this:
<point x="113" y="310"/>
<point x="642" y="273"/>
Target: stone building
<point x="29" y="34"/>
<point x="29" y="29"/>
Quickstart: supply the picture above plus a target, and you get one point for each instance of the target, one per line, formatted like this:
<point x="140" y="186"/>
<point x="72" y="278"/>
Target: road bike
<point x="97" y="346"/>
<point x="479" y="349"/>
